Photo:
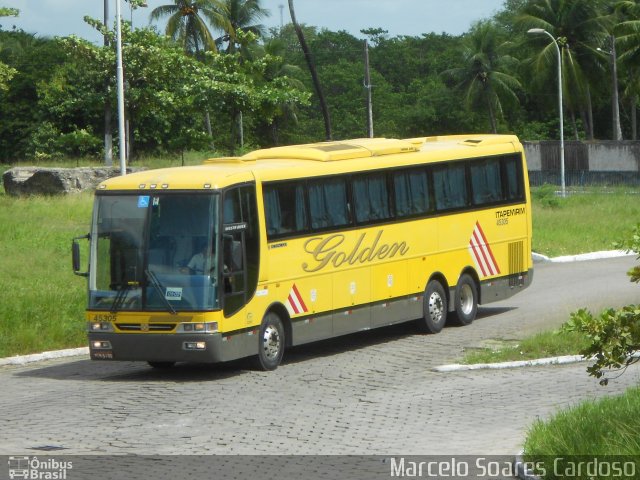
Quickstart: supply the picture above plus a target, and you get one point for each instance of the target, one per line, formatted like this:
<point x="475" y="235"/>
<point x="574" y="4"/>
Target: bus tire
<point x="465" y="300"/>
<point x="434" y="308"/>
<point x="271" y="342"/>
<point x="161" y="365"/>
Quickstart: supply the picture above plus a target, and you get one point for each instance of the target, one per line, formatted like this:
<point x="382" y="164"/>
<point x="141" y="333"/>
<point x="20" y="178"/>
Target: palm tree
<point x="482" y="77"/>
<point x="628" y="31"/>
<point x="288" y="73"/>
<point x="241" y="15"/>
<point x="578" y="26"/>
<point x="312" y="71"/>
<point x="187" y="22"/>
<point x="187" y="25"/>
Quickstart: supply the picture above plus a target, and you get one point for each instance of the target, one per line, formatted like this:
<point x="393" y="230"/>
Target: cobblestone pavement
<point x="365" y="394"/>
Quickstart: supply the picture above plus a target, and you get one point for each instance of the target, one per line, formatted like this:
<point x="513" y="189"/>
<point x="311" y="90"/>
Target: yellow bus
<point x="247" y="256"/>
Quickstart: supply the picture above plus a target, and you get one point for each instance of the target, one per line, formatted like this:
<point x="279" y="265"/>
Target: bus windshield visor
<point x="154" y="253"/>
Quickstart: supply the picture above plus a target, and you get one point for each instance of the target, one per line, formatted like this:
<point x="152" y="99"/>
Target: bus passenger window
<point x="285" y="210"/>
<point x="328" y="204"/>
<point x="371" y="198"/>
<point x="450" y="187"/>
<point x="513" y="173"/>
<point x="486" y="182"/>
<point x="411" y="193"/>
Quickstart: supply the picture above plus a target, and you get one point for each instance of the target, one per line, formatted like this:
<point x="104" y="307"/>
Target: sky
<point x="399" y="17"/>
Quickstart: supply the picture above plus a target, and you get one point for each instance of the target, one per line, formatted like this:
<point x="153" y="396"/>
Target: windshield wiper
<point x="120" y="297"/>
<point x="159" y="288"/>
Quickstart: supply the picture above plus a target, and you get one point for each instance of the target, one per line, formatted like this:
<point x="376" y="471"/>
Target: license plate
<point x="102" y="355"/>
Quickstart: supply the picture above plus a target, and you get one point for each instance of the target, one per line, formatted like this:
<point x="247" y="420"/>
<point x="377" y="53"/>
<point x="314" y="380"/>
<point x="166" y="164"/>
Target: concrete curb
<point x="564" y="360"/>
<point x="38" y="357"/>
<point x="539" y="258"/>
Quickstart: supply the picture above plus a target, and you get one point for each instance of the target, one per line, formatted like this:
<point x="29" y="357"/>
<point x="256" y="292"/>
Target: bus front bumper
<point x="157" y="347"/>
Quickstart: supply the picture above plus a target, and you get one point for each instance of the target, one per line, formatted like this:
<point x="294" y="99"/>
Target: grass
<point x="604" y="427"/>
<point x="585" y="221"/>
<point x="541" y="345"/>
<point x="42" y="301"/>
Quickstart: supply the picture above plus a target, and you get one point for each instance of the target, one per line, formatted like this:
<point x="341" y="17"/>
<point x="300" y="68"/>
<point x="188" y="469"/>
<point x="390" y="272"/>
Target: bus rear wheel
<point x="271" y="343"/>
<point x="465" y="300"/>
<point x="434" y="308"/>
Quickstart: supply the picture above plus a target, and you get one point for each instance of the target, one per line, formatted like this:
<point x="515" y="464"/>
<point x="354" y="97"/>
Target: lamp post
<point x="120" y="78"/>
<point x="108" y="136"/>
<point x="562" y="180"/>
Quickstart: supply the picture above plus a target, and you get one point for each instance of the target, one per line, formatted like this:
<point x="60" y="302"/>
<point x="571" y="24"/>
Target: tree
<point x="579" y="27"/>
<point x="6" y="72"/>
<point x="614" y="334"/>
<point x="241" y="15"/>
<point x="628" y="33"/>
<point x="278" y="69"/>
<point x="483" y="78"/>
<point x="241" y="28"/>
<point x="312" y="70"/>
<point x="187" y="22"/>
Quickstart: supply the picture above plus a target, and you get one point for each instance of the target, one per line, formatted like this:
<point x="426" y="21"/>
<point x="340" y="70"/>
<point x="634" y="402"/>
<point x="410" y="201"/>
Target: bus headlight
<point x="208" y="327"/>
<point x="100" y="326"/>
<point x="101" y="345"/>
<point x="194" y="345"/>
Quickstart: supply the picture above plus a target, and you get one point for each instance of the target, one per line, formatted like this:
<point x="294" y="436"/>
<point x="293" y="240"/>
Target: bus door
<point x="240" y="247"/>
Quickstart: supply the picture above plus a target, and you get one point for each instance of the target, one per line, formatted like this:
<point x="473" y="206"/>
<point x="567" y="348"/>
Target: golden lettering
<point x="327" y="251"/>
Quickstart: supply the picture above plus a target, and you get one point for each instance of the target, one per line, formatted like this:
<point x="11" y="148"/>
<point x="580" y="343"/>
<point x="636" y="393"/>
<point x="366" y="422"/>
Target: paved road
<point x="370" y="393"/>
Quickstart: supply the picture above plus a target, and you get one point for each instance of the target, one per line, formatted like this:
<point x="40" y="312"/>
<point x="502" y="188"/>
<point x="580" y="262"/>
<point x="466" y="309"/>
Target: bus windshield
<point x="155" y="252"/>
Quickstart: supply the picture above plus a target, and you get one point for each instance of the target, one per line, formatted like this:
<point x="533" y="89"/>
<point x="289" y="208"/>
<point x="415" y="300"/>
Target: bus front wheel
<point x="434" y="309"/>
<point x="466" y="300"/>
<point x="272" y="342"/>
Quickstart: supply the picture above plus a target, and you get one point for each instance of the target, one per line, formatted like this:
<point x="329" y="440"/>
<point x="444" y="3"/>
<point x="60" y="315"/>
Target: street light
<point x="537" y="31"/>
<point x="120" y="78"/>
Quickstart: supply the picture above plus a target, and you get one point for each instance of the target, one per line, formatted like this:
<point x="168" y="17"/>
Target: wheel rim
<point x="435" y="307"/>
<point x="466" y="299"/>
<point x="271" y="342"/>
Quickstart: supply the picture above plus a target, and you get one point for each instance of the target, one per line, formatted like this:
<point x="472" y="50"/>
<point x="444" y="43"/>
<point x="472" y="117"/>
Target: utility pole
<point x="281" y="7"/>
<point x="368" y="86"/>
<point x="120" y="77"/>
<point x="617" y="130"/>
<point x="108" y="136"/>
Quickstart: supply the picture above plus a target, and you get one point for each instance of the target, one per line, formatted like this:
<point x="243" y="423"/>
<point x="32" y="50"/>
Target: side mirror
<point x="75" y="256"/>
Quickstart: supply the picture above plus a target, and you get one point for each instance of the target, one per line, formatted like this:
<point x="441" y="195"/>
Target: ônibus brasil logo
<point x="35" y="469"/>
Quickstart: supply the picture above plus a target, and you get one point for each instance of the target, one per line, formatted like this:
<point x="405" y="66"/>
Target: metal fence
<point x="584" y="178"/>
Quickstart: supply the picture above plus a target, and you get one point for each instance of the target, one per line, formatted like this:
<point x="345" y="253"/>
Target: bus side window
<point x="514" y="182"/>
<point x="328" y="203"/>
<point x="285" y="208"/>
<point x="411" y="193"/>
<point x="486" y="181"/>
<point x="450" y="187"/>
<point x="371" y="198"/>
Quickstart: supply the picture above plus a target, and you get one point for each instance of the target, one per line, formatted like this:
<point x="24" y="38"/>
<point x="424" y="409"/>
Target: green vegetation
<point x="614" y="335"/>
<point x="541" y="345"/>
<point x="586" y="221"/>
<point x="217" y="78"/>
<point x="42" y="301"/>
<point x="608" y="426"/>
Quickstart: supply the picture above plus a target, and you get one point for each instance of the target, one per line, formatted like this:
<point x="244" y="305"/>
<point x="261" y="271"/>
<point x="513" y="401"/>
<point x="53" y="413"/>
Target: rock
<point x="23" y="181"/>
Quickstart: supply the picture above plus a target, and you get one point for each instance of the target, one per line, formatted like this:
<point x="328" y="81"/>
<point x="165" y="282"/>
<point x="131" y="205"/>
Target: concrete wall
<point x="533" y="154"/>
<point x="603" y="156"/>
